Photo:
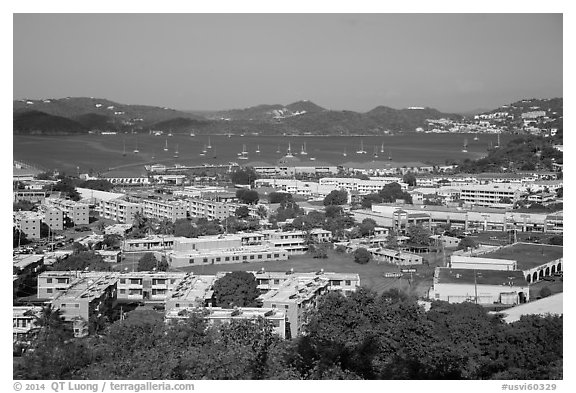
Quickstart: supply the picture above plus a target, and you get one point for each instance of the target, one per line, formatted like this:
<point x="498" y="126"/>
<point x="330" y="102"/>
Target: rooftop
<point x="193" y="288"/>
<point x="528" y="255"/>
<point x="21" y="261"/>
<point x="224" y="313"/>
<point x="295" y="290"/>
<point x="447" y="275"/>
<point x="88" y="288"/>
<point x="548" y="305"/>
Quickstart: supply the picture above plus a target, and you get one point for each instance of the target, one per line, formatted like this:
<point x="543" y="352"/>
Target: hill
<point x="118" y="115"/>
<point x="36" y="122"/>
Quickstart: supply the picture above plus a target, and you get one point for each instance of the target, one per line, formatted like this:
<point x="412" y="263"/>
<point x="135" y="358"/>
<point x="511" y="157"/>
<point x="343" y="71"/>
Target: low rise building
<point x="147" y="286"/>
<point x="216" y="316"/>
<point x="345" y="282"/>
<point x="294" y="297"/>
<point x="28" y="223"/>
<point x="33" y="196"/>
<point x="159" y="209"/>
<point x="490" y="194"/>
<point x="395" y="257"/>
<point x="110" y="256"/>
<point x="191" y="291"/>
<point x="24" y="324"/>
<point x="119" y="210"/>
<point x="85" y="300"/>
<point x="479" y="286"/>
<point x="75" y="211"/>
<point x="149" y="243"/>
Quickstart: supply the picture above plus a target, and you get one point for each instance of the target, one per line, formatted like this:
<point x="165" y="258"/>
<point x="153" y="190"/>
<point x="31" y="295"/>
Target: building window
<point x="227" y="258"/>
<point x="205" y="260"/>
<point x="259" y="256"/>
<point x="191" y="260"/>
<point x="269" y="256"/>
<point x="348" y="282"/>
<point x="62" y="281"/>
<point x="276" y="281"/>
<point x="244" y="257"/>
<point x="49" y="290"/>
<point x="286" y="307"/>
<point x="251" y="256"/>
<point x="218" y="259"/>
<point x="276" y="255"/>
<point x="49" y="281"/>
<point x="122" y="291"/>
<point x="273" y="306"/>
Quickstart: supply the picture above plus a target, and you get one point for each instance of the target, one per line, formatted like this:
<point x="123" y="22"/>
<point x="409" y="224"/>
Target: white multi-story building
<point x="28" y="223"/>
<point x="171" y="210"/>
<point x="490" y="194"/>
<point x="119" y="210"/>
<point x="76" y="211"/>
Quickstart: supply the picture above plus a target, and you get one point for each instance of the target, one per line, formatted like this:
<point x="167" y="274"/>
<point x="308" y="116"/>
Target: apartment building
<point x="28" y="223"/>
<point x="32" y="196"/>
<point x="395" y="257"/>
<point x="295" y="242"/>
<point x="490" y="194"/>
<point x="294" y="297"/>
<point x="24" y="324"/>
<point x="53" y="217"/>
<point x="75" y="211"/>
<point x="191" y="291"/>
<point x="159" y="209"/>
<point x="119" y="210"/>
<point x="345" y="282"/>
<point x="147" y="286"/>
<point x="85" y="300"/>
<point x="211" y="210"/>
<point x="216" y="316"/>
<point x="110" y="256"/>
<point x="291" y="171"/>
<point x="149" y="243"/>
<point x="220" y="250"/>
<point x="363" y="187"/>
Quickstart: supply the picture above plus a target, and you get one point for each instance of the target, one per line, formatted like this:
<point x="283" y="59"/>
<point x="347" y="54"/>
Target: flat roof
<point x="193" y="287"/>
<point x="23" y="260"/>
<point x="528" y="255"/>
<point x="483" y="277"/>
<point x="296" y="289"/>
<point x="224" y="313"/>
<point x="87" y="288"/>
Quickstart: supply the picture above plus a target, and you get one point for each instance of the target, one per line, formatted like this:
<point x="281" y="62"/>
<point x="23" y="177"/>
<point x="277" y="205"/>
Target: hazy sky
<point x="453" y="62"/>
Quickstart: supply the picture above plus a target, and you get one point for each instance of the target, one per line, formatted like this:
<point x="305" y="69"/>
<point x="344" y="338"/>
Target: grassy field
<point x="371" y="274"/>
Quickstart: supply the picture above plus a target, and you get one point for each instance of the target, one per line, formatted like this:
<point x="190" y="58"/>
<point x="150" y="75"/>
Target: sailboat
<point x="244" y="154"/>
<point x="203" y="152"/>
<point x="166" y="145"/>
<point x="289" y="152"/>
<point x="375" y="152"/>
<point x="124" y="150"/>
<point x="465" y="147"/>
<point x="176" y="152"/>
<point x="304" y="152"/>
<point x="192" y="134"/>
<point x="209" y="146"/>
<point x="344" y="154"/>
<point x="476" y="137"/>
<point x="498" y="144"/>
<point x="258" y="149"/>
<point x="361" y="151"/>
<point x="382" y="148"/>
<point x="136" y="151"/>
<point x="389" y="154"/>
<point x="170" y="133"/>
<point x="278" y="150"/>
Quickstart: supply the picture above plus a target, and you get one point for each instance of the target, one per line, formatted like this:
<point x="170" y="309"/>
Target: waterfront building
<point x="159" y="209"/>
<point x="119" y="210"/>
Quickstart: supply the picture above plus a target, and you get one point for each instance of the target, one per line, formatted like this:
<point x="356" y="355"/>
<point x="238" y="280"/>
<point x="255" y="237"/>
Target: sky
<point x="451" y="62"/>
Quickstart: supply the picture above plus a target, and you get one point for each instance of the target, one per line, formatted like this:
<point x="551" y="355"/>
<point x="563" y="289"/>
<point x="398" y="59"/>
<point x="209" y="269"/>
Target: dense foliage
<point x="236" y="289"/>
<point x="360" y="336"/>
<point x="336" y="197"/>
<point x="388" y="194"/>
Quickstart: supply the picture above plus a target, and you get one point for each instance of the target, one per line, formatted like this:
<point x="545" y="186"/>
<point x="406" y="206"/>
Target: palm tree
<point x="139" y="220"/>
<point x="101" y="226"/>
<point x="150" y="225"/>
<point x="262" y="211"/>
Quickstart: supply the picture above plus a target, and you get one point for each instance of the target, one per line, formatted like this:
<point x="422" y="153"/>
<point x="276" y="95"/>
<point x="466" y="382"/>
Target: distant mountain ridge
<point x="298" y="118"/>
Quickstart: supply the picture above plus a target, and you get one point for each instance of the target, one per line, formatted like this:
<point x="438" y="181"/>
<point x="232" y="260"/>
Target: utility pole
<point x="475" y="288"/>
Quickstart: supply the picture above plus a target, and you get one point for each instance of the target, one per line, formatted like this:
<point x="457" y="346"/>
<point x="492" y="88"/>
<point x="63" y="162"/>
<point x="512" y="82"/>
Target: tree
<point x="336" y="197"/>
<point x="340" y="249"/>
<point x="367" y="227"/>
<point x="23" y="206"/>
<point x="183" y="227"/>
<point x="556" y="240"/>
<point x="279" y="197"/>
<point x="362" y="256"/>
<point x="262" y="211"/>
<point x="419" y="235"/>
<point x="112" y="241"/>
<point x="242" y="212"/>
<point x="147" y="262"/>
<point x="19" y="238"/>
<point x="333" y="211"/>
<point x="244" y="176"/>
<point x="409" y="179"/>
<point x="68" y="187"/>
<point x="249" y="197"/>
<point x="83" y="260"/>
<point x="163" y="265"/>
<point x="236" y="289"/>
<point x="319" y="250"/>
<point x="44" y="230"/>
<point x="560" y="192"/>
<point x="467" y="243"/>
<point x="393" y="191"/>
<point x="98" y="184"/>
<point x="505" y="200"/>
